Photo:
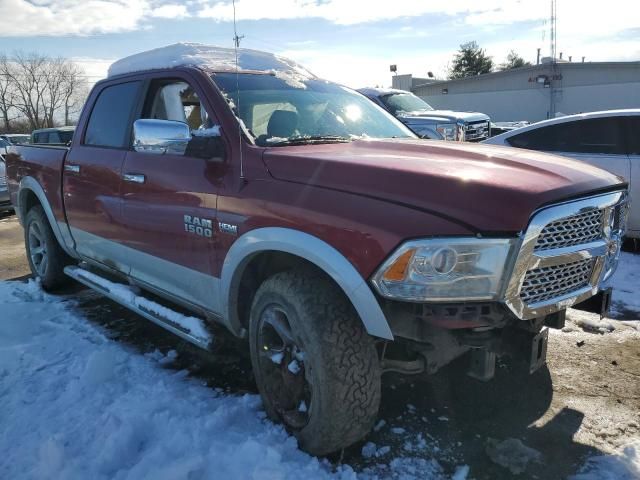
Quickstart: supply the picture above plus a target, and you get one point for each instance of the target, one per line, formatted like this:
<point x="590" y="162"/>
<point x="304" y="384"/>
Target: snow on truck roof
<point x="214" y="59"/>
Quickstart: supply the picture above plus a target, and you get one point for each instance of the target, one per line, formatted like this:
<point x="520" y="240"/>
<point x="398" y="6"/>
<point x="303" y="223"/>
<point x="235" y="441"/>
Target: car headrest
<point x="282" y="123"/>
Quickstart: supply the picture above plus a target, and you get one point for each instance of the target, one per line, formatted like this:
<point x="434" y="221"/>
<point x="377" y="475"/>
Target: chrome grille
<point x="566" y="253"/>
<point x="3" y="180"/>
<point x="476" y="131"/>
<point x="574" y="230"/>
<point x="544" y="283"/>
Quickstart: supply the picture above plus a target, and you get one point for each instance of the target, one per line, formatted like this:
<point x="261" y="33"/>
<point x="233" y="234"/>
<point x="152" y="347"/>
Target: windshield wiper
<point x="308" y="139"/>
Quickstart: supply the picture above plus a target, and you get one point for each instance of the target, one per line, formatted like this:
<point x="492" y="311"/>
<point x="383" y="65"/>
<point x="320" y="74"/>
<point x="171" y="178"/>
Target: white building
<point x="536" y="93"/>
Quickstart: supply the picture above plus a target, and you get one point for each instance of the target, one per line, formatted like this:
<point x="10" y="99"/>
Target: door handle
<point x="70" y="167"/>
<point x="134" y="177"/>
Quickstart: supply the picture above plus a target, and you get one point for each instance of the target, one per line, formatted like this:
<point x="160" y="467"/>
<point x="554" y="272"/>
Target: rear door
<point x="92" y="176"/>
<point x="633" y="142"/>
<point x="169" y="201"/>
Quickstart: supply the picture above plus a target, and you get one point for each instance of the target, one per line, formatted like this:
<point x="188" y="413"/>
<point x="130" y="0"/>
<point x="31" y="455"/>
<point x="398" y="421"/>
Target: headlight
<point x="447" y="130"/>
<point x="445" y="270"/>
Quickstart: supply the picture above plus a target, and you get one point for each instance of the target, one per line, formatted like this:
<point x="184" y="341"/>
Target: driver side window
<point x="176" y="100"/>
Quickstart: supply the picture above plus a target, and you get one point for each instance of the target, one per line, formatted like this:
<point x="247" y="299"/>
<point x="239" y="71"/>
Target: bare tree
<point x="41" y="89"/>
<point x="6" y="93"/>
<point x="75" y="90"/>
<point x="27" y="74"/>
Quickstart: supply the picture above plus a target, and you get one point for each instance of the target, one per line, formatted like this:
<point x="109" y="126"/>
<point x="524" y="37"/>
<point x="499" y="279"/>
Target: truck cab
<point x="206" y="185"/>
<point x="427" y="122"/>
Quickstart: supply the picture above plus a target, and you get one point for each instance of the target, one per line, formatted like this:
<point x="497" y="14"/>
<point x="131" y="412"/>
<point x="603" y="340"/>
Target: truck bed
<point x="44" y="163"/>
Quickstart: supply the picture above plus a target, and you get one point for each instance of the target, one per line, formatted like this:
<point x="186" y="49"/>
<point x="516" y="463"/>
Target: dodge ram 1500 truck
<point x="199" y="188"/>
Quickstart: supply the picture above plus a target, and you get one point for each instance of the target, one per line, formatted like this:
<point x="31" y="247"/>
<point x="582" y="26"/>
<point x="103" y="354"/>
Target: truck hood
<point x="440" y="116"/>
<point x="486" y="188"/>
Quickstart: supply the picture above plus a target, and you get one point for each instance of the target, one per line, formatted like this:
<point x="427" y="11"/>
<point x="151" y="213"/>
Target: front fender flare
<point x="314" y="250"/>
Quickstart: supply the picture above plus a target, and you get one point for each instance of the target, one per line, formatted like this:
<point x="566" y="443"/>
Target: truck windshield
<point x="278" y="113"/>
<point x="405" y="103"/>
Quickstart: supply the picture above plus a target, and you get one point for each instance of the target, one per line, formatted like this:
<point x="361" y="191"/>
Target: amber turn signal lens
<point x="398" y="270"/>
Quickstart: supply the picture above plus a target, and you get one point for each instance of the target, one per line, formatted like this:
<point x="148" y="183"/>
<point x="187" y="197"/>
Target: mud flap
<point x="539" y="350"/>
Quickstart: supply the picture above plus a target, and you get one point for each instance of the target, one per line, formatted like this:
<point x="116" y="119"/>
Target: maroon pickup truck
<point x="303" y="217"/>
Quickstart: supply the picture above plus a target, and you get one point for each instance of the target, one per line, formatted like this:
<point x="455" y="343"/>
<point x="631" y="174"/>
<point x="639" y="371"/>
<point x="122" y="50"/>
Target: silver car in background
<point x="5" y="202"/>
<point x="609" y="140"/>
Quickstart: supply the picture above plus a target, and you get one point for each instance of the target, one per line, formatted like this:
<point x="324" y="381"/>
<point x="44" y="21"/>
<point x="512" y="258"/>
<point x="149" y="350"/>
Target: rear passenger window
<point x="538" y="139"/>
<point x="597" y="135"/>
<point x="633" y="134"/>
<point x="111" y="116"/>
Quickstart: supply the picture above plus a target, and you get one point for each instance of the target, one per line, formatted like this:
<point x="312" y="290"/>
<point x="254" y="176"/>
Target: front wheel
<point x="316" y="368"/>
<point x="46" y="258"/>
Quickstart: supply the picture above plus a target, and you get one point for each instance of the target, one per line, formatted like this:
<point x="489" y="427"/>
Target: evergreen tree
<point x="514" y="61"/>
<point x="470" y="60"/>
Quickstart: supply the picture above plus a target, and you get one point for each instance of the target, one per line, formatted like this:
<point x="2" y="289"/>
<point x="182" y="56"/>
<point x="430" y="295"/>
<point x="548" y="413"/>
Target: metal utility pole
<point x="554" y="65"/>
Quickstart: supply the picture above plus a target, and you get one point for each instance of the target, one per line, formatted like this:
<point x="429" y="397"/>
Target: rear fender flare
<point x="312" y="249"/>
<point x="30" y="184"/>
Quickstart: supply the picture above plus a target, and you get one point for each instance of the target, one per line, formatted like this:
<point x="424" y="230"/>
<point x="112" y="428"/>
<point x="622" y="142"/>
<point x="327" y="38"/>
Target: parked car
<point x="426" y="122"/>
<point x="5" y="201"/>
<point x="54" y="136"/>
<point x="499" y="128"/>
<point x="16" y="138"/>
<point x="4" y="145"/>
<point x="608" y="140"/>
<point x="309" y="221"/>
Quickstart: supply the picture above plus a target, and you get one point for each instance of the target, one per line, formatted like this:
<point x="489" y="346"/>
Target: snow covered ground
<point x="626" y="286"/>
<point x="76" y="404"/>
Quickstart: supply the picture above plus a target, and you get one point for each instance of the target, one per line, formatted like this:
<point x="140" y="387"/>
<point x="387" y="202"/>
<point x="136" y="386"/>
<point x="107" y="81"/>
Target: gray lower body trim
<point x="177" y="283"/>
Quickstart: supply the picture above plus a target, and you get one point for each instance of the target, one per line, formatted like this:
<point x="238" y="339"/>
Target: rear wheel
<point x="316" y="367"/>
<point x="46" y="258"/>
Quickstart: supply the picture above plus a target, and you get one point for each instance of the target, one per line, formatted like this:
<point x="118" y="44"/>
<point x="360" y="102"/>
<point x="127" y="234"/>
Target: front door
<point x="92" y="176"/>
<point x="169" y="203"/>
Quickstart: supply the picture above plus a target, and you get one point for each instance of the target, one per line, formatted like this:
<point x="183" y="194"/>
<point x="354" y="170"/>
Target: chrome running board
<point x="159" y="314"/>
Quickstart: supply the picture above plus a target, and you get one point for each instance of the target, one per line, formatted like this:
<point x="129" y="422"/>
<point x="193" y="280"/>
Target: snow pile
<point x="512" y="454"/>
<point x="212" y="58"/>
<point x="625" y="283"/>
<point x="77" y="405"/>
<point x="624" y="466"/>
<point x="594" y="323"/>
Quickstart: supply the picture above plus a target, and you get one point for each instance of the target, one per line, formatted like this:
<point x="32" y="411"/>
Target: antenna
<point x="236" y="43"/>
<point x="553" y="31"/>
<point x="554" y="63"/>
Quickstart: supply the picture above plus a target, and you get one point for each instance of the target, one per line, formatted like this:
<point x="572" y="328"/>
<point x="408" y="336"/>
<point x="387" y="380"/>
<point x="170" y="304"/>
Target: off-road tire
<point x="53" y="276"/>
<point x="340" y="355"/>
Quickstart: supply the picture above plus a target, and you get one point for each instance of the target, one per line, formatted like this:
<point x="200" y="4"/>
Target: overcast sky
<point x="349" y="41"/>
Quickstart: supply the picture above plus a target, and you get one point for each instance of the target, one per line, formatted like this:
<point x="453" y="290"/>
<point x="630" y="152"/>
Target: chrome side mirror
<point x="160" y="136"/>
